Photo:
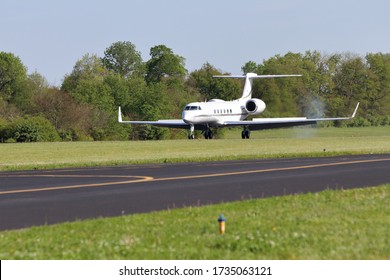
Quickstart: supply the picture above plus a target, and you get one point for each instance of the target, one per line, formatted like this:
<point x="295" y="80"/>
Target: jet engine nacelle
<point x="254" y="106"/>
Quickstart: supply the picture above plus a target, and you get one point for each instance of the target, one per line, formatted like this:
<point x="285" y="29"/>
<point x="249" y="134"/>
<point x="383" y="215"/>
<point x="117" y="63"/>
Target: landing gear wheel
<point x="245" y="134"/>
<point x="208" y="134"/>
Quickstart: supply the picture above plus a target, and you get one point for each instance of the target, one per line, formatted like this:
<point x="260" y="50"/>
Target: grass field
<point x="344" y="224"/>
<point x="264" y="144"/>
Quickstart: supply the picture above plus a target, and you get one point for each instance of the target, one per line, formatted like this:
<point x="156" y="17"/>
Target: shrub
<point x="26" y="132"/>
<point x="359" y="122"/>
<point x="33" y="129"/>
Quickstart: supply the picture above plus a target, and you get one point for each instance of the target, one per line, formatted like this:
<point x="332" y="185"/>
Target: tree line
<point x="85" y="106"/>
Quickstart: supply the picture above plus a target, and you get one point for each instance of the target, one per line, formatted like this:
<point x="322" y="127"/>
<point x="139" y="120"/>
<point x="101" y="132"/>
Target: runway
<point x="53" y="196"/>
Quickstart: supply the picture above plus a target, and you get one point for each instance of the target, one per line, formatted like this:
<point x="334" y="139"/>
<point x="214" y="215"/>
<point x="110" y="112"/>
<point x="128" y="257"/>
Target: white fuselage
<point x="216" y="112"/>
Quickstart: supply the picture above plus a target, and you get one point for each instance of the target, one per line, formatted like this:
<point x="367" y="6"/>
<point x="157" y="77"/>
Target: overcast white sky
<point x="50" y="36"/>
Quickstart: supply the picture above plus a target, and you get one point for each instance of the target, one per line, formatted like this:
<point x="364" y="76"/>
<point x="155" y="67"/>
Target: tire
<point x="208" y="134"/>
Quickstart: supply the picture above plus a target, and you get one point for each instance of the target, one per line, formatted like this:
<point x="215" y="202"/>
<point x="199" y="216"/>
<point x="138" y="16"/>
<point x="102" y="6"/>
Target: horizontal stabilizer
<point x="255" y="76"/>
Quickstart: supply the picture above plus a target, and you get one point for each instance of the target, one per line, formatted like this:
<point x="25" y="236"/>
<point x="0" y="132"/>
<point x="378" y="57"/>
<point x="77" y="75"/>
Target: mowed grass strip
<point x="298" y="142"/>
<point x="343" y="224"/>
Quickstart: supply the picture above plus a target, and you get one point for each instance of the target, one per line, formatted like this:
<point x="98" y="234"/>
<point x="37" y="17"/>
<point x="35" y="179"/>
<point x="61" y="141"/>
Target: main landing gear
<point x="208" y="134"/>
<point x="245" y="134"/>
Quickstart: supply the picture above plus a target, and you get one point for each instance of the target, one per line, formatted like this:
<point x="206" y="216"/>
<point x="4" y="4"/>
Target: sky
<point x="50" y="36"/>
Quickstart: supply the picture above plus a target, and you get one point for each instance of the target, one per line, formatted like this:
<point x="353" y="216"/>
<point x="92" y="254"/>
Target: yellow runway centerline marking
<point x="141" y="179"/>
<point x="138" y="180"/>
<point x="271" y="169"/>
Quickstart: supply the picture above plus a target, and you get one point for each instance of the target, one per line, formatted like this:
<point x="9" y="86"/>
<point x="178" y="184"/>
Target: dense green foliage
<point x="85" y="106"/>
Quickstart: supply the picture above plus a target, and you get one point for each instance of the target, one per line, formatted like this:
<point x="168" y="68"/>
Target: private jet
<point x="217" y="113"/>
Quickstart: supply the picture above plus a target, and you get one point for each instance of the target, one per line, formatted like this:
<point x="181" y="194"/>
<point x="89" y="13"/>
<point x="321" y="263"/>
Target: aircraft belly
<point x="214" y="121"/>
<point x="205" y="119"/>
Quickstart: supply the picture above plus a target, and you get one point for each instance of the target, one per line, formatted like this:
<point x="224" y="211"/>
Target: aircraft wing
<point x="162" y="123"/>
<point x="268" y="123"/>
<point x="179" y="123"/>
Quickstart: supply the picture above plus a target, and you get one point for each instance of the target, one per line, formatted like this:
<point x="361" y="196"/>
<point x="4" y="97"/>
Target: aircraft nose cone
<point x="186" y="117"/>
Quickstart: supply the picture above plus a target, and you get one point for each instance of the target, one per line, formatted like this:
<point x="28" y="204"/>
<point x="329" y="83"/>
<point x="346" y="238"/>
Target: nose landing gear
<point x="191" y="134"/>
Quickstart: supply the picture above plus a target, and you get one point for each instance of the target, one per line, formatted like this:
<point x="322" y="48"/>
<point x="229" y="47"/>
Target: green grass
<point x="296" y="142"/>
<point x="343" y="224"/>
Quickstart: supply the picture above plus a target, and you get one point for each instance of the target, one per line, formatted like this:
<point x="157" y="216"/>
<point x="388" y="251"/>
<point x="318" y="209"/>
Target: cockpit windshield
<point x="188" y="108"/>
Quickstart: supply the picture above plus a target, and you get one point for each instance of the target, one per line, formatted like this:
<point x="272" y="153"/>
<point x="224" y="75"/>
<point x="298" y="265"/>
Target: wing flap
<point x="162" y="123"/>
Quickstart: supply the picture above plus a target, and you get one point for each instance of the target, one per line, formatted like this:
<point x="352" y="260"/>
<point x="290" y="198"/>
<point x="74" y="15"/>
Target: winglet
<point x="354" y="112"/>
<point x="119" y="115"/>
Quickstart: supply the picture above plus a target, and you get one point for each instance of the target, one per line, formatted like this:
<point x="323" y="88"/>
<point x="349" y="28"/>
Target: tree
<point x="37" y="82"/>
<point x="350" y="84"/>
<point x="210" y="87"/>
<point x="72" y="120"/>
<point x="88" y="67"/>
<point x="34" y="84"/>
<point x="152" y="103"/>
<point x="13" y="75"/>
<point x="164" y="64"/>
<point x="87" y="84"/>
<point x="249" y="67"/>
<point x="379" y="92"/>
<point x="123" y="59"/>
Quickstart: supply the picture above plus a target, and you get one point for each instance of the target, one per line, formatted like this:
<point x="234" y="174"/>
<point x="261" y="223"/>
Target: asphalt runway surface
<point x="53" y="196"/>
